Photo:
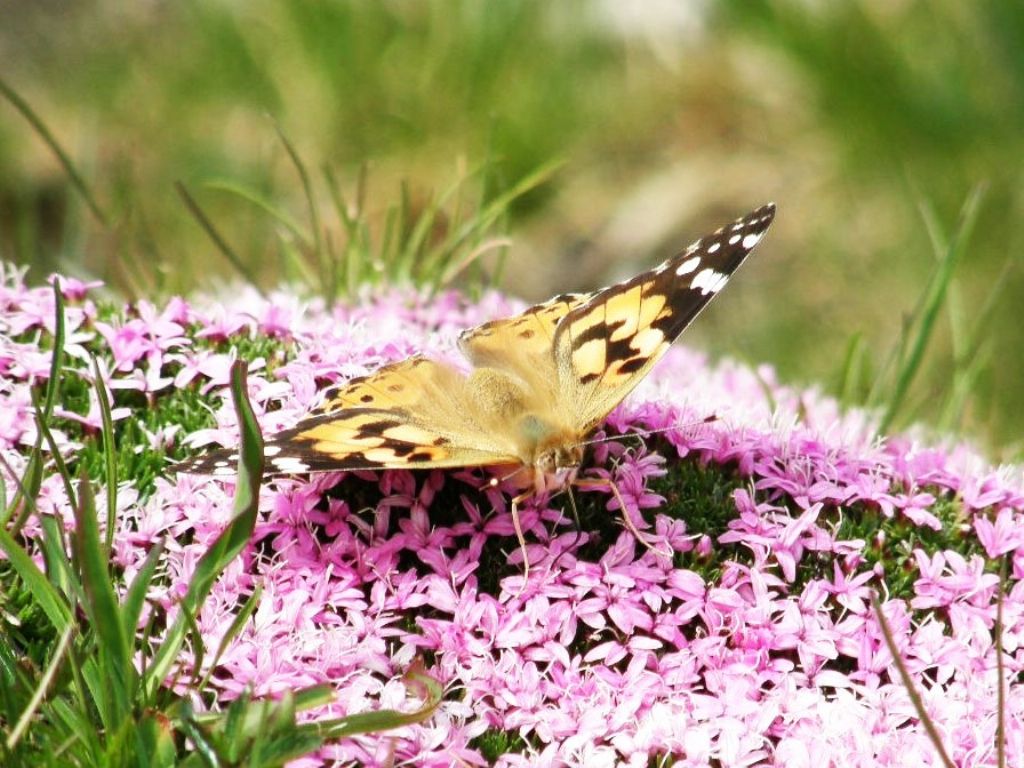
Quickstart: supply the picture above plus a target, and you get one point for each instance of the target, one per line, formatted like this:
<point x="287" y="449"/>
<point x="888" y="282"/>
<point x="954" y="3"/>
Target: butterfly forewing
<point x="604" y="347"/>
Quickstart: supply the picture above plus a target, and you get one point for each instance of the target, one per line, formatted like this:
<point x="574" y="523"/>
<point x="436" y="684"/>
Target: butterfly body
<point x="541" y="382"/>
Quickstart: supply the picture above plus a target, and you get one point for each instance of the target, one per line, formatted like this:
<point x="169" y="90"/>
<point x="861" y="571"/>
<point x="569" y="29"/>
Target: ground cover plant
<point x="754" y="643"/>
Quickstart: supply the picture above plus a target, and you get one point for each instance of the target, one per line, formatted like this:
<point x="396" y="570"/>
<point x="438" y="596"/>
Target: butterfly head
<point x="556" y="462"/>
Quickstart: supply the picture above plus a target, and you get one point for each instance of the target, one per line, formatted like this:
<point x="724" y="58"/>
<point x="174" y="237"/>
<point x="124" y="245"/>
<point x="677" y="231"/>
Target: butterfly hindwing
<point x="394" y="385"/>
<point x="604" y="347"/>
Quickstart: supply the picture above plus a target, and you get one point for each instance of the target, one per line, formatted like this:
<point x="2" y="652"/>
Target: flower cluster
<point x="738" y="631"/>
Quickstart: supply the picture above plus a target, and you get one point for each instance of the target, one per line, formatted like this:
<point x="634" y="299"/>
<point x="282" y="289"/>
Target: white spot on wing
<point x="735" y="239"/>
<point x="708" y="281"/>
<point x="290" y="464"/>
<point x="751" y="240"/>
<point x="714" y="247"/>
<point x="688" y="266"/>
<point x="272" y="450"/>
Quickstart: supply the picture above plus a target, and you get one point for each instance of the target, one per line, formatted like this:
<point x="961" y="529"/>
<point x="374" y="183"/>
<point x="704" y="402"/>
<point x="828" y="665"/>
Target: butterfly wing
<point x="414" y="414"/>
<point x="531" y="333"/>
<point x="574" y="357"/>
<point x="604" y="347"/>
<point x="520" y="347"/>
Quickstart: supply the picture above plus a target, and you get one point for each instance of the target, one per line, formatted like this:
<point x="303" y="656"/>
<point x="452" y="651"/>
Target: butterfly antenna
<point x="646" y="432"/>
<point x="597" y="482"/>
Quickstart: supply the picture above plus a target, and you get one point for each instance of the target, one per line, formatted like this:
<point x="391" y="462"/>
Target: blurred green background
<point x="869" y="123"/>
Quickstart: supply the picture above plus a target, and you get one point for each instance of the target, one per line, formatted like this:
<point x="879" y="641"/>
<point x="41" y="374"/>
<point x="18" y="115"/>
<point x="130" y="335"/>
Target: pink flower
<point x="1005" y="535"/>
<point x="73" y="289"/>
<point x="742" y="635"/>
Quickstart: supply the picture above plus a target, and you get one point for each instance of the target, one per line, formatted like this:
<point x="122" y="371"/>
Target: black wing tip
<point x="760" y="218"/>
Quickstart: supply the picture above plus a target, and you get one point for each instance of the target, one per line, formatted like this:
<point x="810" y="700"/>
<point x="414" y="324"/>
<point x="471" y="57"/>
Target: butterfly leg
<point x="516" y="501"/>
<point x="610" y="484"/>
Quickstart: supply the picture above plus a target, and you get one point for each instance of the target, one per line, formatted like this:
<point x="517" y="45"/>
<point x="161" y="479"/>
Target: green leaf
<point x="135" y="599"/>
<point x="109" y="451"/>
<point x="386" y="719"/>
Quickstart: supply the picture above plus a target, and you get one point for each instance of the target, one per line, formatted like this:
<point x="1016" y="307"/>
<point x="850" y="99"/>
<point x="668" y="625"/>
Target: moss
<point x="493" y="743"/>
<point x="701" y="495"/>
<point x="891" y="541"/>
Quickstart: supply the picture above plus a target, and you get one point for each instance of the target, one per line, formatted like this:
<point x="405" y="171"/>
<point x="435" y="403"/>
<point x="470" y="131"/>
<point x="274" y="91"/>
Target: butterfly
<point x="541" y="382"/>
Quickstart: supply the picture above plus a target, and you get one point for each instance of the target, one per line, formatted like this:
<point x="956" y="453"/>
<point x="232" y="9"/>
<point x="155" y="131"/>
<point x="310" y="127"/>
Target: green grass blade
<point x="965" y="379"/>
<point x="62" y="157"/>
<point x="499" y="205"/>
<point x="28" y="488"/>
<point x="258" y="732"/>
<point x="246" y="194"/>
<point x="57" y="359"/>
<point x="314" y="212"/>
<point x="851" y="375"/>
<point x="194" y="637"/>
<point x="83" y="730"/>
<point x="349" y="218"/>
<point x="109" y="451"/>
<point x="58" y="566"/>
<point x="102" y="607"/>
<point x="204" y="748"/>
<point x="456" y="268"/>
<point x="975" y="354"/>
<point x="218" y="240"/>
<point x="248" y="609"/>
<point x="385" y="720"/>
<point x="933" y="303"/>
<point x="154" y="742"/>
<point x="234" y="537"/>
<point x="43" y="426"/>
